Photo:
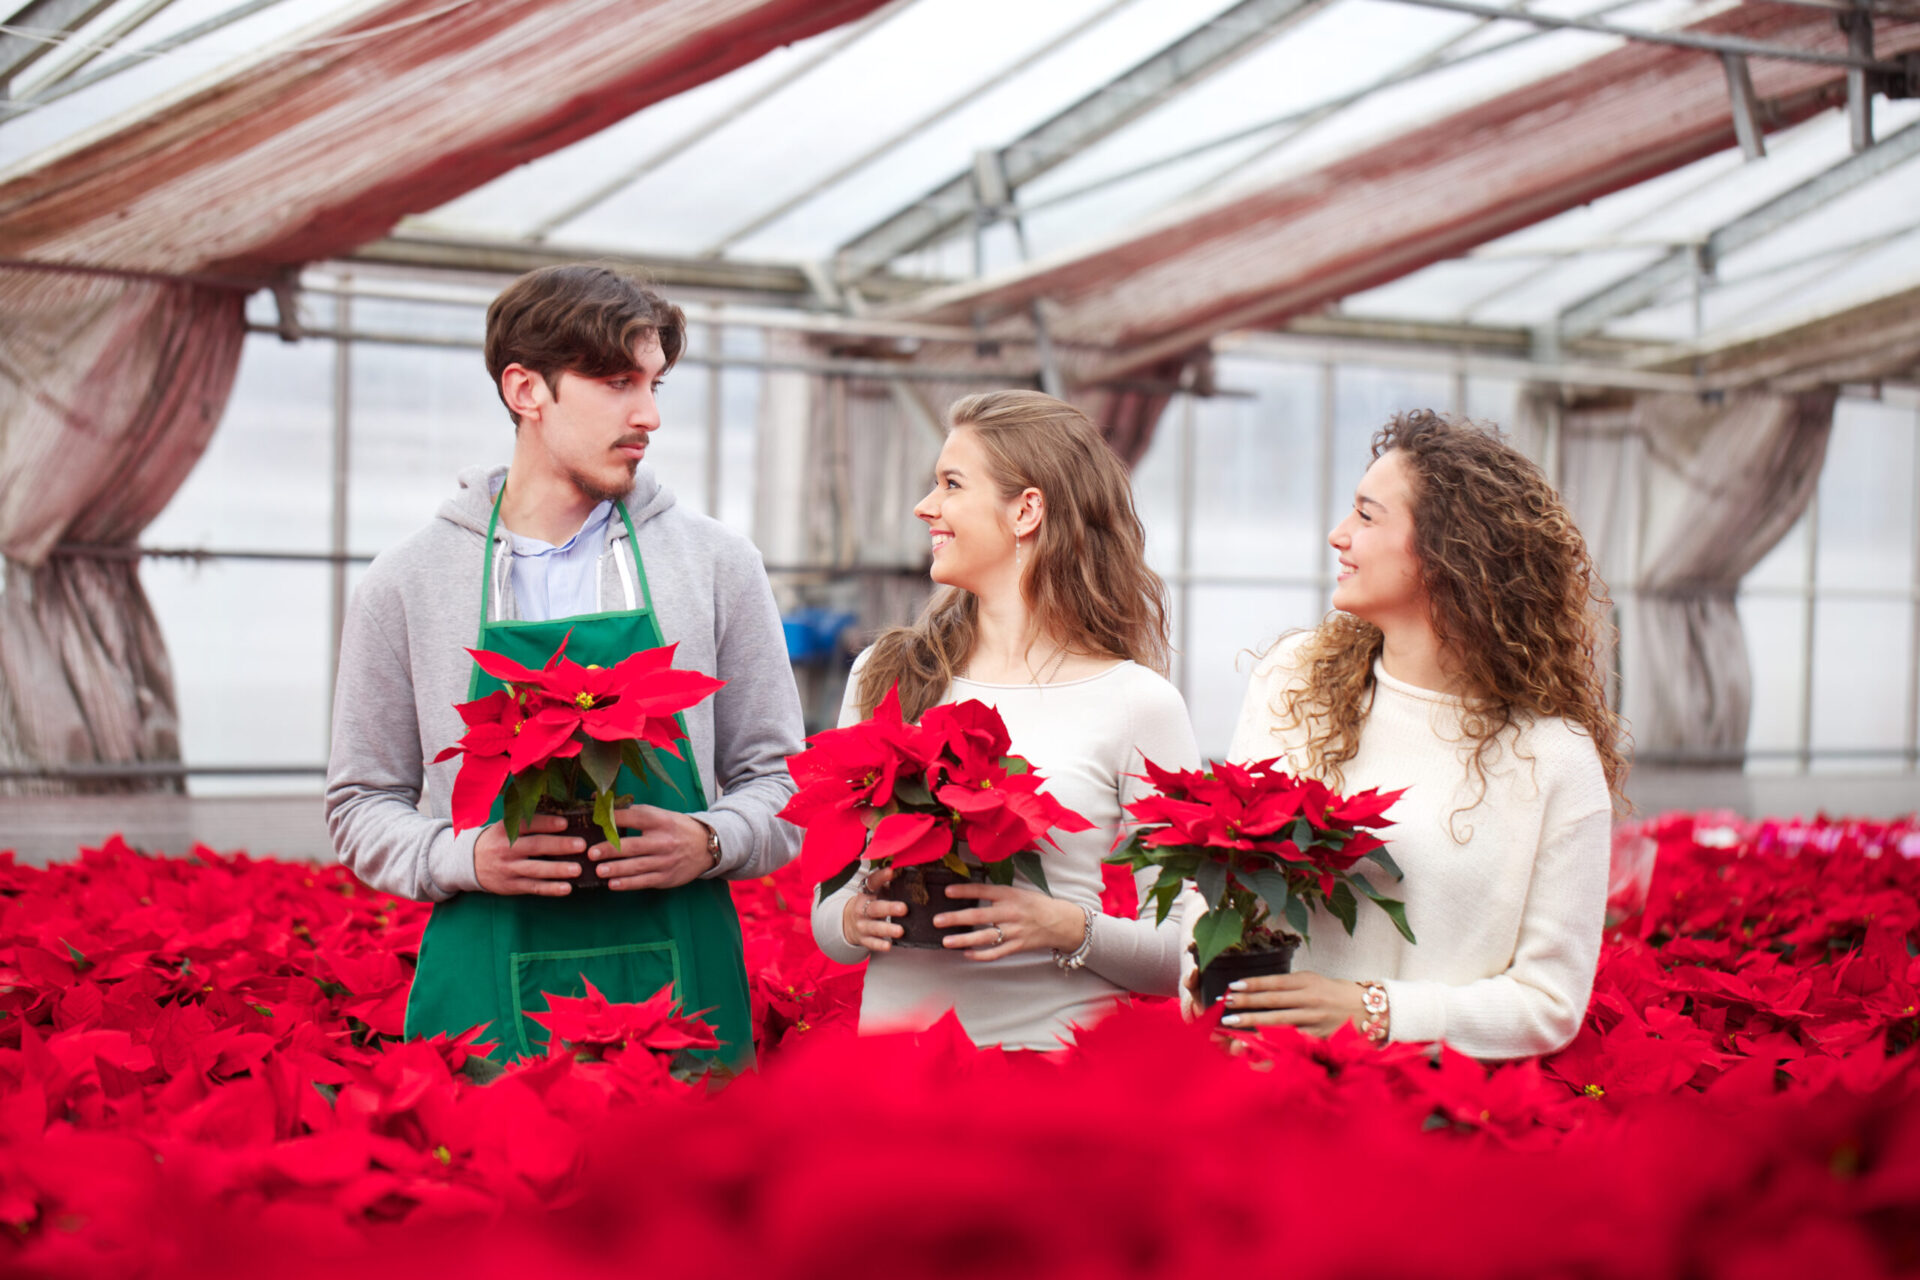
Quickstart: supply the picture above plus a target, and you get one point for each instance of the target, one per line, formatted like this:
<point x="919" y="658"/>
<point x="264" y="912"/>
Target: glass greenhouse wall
<point x="332" y="450"/>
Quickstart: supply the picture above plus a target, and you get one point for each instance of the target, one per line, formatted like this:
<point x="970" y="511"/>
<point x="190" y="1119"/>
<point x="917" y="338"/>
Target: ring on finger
<point x="999" y="936"/>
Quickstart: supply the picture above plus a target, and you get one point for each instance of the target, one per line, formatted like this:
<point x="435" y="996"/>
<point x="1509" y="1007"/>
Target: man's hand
<point x="670" y="850"/>
<point x="526" y="865"/>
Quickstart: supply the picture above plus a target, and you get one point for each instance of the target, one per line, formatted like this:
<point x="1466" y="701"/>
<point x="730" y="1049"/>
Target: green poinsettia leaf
<point x="1027" y="863"/>
<point x="601" y="760"/>
<point x="1344" y="906"/>
<point x="1296" y="915"/>
<point x="1214" y="932"/>
<point x="831" y="885"/>
<point x="1397" y="912"/>
<point x="1272" y="888"/>
<point x="652" y="758"/>
<point x="1211" y="878"/>
<point x="1386" y="862"/>
<point x="603" y="818"/>
<point x="912" y="793"/>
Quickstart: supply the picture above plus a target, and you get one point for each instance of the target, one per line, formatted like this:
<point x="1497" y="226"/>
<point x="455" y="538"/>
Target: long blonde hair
<point x="1086" y="579"/>
<point x="1515" y="599"/>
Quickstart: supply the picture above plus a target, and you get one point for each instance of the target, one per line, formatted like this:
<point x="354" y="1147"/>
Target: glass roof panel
<point x="148" y="74"/>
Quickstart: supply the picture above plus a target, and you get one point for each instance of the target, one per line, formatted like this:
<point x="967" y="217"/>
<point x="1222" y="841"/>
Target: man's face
<point x="593" y="432"/>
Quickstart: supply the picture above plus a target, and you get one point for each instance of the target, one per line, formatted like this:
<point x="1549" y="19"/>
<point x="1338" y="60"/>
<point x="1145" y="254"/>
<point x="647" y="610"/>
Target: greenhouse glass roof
<point x="814" y="153"/>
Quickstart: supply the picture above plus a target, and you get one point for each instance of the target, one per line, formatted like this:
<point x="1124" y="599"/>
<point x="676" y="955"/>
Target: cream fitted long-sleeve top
<point x="1509" y="913"/>
<point x="1087" y="737"/>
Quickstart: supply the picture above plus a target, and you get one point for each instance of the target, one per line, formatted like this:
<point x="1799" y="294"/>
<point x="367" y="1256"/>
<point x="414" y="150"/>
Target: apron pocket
<point x="624" y="975"/>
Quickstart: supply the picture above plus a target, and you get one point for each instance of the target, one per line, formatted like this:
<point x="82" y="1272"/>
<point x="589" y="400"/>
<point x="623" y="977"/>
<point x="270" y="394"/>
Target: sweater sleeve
<point x="756" y="726"/>
<point x="376" y="770"/>
<point x="1137" y="954"/>
<point x="827" y="934"/>
<point x="1536" y="1005"/>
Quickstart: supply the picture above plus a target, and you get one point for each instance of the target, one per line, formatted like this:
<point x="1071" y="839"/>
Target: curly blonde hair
<point x="1514" y="597"/>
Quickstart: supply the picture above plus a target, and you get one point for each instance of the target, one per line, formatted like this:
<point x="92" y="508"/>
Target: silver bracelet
<point x="1079" y="957"/>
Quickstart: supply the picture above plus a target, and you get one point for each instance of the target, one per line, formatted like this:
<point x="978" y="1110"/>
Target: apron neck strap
<point x="486" y="559"/>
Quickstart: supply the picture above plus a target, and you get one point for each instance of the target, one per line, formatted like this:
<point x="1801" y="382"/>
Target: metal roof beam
<point x="42" y="95"/>
<point x="973" y="93"/>
<point x="57" y="18"/>
<point x="1185" y="62"/>
<point x="711" y="125"/>
<point x="1623" y="297"/>
<point x="1706" y="41"/>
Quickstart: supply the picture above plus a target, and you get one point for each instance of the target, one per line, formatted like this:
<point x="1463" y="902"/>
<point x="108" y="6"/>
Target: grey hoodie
<point x="403" y="666"/>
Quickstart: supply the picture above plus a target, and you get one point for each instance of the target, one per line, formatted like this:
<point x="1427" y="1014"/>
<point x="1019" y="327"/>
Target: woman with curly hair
<point x="1463" y="663"/>
<point x="1048" y="612"/>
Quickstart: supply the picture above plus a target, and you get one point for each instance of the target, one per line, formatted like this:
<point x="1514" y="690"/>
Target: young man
<point x="576" y="538"/>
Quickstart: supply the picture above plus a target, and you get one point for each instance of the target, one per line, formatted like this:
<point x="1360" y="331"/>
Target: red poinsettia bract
<point x="901" y="794"/>
<point x="563" y="731"/>
<point x="1261" y="844"/>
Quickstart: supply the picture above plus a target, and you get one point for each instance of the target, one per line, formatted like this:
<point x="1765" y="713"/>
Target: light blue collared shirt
<point x="564" y="581"/>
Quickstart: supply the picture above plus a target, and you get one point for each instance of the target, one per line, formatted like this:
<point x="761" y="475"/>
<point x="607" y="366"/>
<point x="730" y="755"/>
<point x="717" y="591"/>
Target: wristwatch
<point x="713" y="843"/>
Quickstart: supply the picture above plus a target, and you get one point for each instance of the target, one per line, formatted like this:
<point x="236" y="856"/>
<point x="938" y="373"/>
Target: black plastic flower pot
<point x="924" y="890"/>
<point x="1232" y="966"/>
<point x="580" y="824"/>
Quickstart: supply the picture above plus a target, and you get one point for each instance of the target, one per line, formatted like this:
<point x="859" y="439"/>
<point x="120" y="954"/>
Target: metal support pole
<point x="1188" y="460"/>
<point x="1809" y="584"/>
<point x="1327" y="478"/>
<point x="1913" y="649"/>
<point x="1746" y="106"/>
<point x="337" y="541"/>
<point x="716" y="336"/>
<point x="1859" y="29"/>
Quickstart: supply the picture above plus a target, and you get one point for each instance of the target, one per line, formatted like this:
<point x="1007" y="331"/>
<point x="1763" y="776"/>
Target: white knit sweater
<point x="1087" y="737"/>
<point x="1506" y="893"/>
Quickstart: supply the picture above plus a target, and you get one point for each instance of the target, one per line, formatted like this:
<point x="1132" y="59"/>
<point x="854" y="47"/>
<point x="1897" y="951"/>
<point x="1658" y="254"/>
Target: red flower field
<point x="200" y="1075"/>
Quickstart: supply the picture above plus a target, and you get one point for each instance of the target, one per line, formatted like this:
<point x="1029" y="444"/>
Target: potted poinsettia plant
<point x="1264" y="848"/>
<point x="555" y="739"/>
<point x="941" y="801"/>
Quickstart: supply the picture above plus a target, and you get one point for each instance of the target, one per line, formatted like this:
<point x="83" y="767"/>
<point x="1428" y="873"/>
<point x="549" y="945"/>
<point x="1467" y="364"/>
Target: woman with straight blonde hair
<point x="1047" y="612"/>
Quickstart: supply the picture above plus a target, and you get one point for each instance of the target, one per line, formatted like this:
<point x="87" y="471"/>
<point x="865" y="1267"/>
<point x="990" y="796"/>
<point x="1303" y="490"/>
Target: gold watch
<point x="713" y="843"/>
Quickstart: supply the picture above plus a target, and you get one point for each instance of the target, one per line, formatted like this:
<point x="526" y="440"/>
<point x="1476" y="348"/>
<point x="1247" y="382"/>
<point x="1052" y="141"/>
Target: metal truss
<point x="1179" y="66"/>
<point x="1630" y="294"/>
<point x="41" y="95"/>
<point x="56" y="18"/>
<point x="1704" y="41"/>
<point x="714" y="123"/>
<point x="974" y="92"/>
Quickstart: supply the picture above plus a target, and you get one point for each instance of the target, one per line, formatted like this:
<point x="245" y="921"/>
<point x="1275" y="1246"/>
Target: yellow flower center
<point x="584" y="701"/>
<point x="1594" y="1091"/>
<point x="593" y="666"/>
<point x="518" y="726"/>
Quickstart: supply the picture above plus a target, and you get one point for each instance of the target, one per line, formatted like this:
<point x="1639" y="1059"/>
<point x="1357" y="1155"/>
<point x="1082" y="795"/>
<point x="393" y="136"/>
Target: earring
<point x="1018" y="547"/>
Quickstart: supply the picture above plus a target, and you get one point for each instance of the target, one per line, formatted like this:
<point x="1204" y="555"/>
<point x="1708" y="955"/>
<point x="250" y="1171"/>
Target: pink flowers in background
<point x="199" y="1077"/>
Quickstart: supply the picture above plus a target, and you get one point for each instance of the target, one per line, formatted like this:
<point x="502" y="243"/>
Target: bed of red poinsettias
<point x="198" y="1076"/>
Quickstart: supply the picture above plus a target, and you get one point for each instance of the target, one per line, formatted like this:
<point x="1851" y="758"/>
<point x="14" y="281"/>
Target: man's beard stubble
<point x="592" y="488"/>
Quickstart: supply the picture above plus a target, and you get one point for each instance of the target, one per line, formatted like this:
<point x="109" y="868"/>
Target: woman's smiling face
<point x="1379" y="576"/>
<point x="971" y="524"/>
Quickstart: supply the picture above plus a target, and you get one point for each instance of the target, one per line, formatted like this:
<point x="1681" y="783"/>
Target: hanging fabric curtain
<point x="109" y="391"/>
<point x="1679" y="499"/>
<point x="110" y="387"/>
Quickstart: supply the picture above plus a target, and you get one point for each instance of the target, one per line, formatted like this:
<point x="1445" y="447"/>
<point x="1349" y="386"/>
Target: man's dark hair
<point x="577" y="319"/>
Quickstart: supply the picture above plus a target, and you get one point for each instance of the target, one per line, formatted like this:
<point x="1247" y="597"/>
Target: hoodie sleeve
<point x="756" y="723"/>
<point x="375" y="773"/>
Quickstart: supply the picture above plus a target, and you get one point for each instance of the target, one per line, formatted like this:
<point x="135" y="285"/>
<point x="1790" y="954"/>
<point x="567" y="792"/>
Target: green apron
<point x="493" y="958"/>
